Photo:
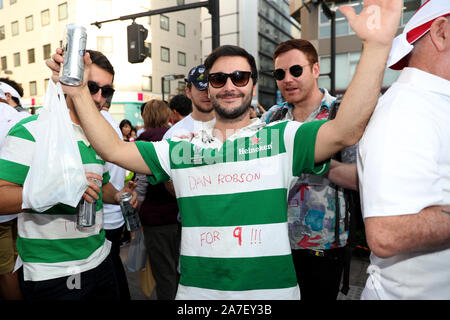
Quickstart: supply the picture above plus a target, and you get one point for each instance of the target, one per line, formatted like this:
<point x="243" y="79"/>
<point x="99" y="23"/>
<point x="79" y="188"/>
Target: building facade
<point x="316" y="27"/>
<point x="258" y="26"/>
<point x="30" y="32"/>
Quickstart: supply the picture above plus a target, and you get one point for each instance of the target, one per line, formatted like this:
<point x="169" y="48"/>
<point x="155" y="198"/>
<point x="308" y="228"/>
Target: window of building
<point x="165" y="54"/>
<point x="164" y="22"/>
<point x="181" y="87"/>
<point x="345" y="69"/>
<point x="180" y="2"/>
<point x="166" y="86"/>
<point x="342" y="26"/>
<point x="105" y="44"/>
<point x="62" y="11"/>
<point x="29" y="23"/>
<point x="2" y="33"/>
<point x="181" y="29"/>
<point x="45" y="17"/>
<point x="409" y="7"/>
<point x="4" y="62"/>
<point x="147" y="84"/>
<point x="181" y="58"/>
<point x="15" y="28"/>
<point x="46" y="49"/>
<point x="12" y="1"/>
<point x="16" y="58"/>
<point x="31" y="57"/>
<point x="33" y="88"/>
<point x="46" y="81"/>
<point x="1" y="4"/>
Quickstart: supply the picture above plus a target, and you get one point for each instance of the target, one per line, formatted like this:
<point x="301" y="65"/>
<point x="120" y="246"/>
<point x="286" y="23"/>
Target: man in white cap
<point x="404" y="166"/>
<point x="9" y="116"/>
<point x="13" y="93"/>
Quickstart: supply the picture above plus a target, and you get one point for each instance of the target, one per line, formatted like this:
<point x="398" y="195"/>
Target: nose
<point x="97" y="96"/>
<point x="288" y="77"/>
<point x="229" y="85"/>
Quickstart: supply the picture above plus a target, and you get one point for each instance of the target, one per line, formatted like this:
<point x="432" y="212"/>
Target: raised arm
<point x="99" y="132"/>
<point x="376" y="26"/>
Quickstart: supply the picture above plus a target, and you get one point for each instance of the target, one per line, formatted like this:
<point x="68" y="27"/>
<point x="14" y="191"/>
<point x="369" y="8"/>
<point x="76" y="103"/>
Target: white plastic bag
<point x="137" y="253"/>
<point x="56" y="173"/>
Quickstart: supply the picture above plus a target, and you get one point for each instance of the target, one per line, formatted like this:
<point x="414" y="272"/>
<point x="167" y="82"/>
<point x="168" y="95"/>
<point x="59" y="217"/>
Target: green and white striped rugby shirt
<point x="49" y="243"/>
<point x="233" y="202"/>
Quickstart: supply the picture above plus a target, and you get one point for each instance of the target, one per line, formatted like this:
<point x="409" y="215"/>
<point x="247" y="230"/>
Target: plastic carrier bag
<point x="56" y="173"/>
<point x="137" y="253"/>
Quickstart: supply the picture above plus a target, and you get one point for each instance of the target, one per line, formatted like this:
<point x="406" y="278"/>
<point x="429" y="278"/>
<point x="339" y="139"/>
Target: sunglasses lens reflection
<point x="239" y="78"/>
<point x="107" y="91"/>
<point x="295" y="71"/>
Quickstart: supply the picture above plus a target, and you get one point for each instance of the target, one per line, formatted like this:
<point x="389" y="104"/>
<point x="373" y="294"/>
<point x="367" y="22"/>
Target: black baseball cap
<point x="197" y="77"/>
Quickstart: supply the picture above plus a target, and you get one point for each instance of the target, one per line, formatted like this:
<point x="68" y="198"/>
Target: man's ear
<point x="440" y="33"/>
<point x="188" y="92"/>
<point x="316" y="70"/>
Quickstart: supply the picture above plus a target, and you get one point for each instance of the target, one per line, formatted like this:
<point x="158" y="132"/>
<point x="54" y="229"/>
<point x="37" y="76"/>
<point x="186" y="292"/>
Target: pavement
<point x="357" y="279"/>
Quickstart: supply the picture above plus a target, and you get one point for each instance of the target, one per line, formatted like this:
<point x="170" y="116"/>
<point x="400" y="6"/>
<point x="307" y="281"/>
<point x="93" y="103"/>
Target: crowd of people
<point x="237" y="202"/>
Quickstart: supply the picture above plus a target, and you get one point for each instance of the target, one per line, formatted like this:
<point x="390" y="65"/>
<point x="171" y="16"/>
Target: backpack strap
<point x="338" y="157"/>
<point x="279" y="114"/>
<point x="348" y="218"/>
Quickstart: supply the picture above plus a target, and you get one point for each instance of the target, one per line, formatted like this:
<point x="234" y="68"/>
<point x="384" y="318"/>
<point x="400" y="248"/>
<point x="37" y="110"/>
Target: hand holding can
<point x="73" y="67"/>
<point x="87" y="210"/>
<point x="130" y="214"/>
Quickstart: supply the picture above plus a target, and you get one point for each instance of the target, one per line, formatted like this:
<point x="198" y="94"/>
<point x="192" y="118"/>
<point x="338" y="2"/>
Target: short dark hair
<point x="125" y="122"/>
<point x="102" y="61"/>
<point x="16" y="86"/>
<point x="182" y="104"/>
<point x="300" y="44"/>
<point x="229" y="50"/>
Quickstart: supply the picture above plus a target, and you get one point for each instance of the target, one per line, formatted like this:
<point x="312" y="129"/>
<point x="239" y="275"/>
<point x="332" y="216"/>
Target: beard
<point x="231" y="114"/>
<point x="200" y="108"/>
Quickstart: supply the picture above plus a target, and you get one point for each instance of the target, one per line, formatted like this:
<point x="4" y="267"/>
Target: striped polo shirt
<point x="49" y="243"/>
<point x="233" y="202"/>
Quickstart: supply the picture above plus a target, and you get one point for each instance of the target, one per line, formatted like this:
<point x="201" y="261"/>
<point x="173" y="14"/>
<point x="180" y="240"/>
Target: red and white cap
<point x="419" y="24"/>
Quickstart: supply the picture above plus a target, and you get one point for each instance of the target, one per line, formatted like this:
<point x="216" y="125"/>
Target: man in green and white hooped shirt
<point x="231" y="180"/>
<point x="60" y="261"/>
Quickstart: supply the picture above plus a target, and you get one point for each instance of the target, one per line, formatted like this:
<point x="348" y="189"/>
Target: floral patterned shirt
<point x="312" y="200"/>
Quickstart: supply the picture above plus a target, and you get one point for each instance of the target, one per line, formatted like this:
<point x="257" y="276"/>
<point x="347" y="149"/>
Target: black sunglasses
<point x="295" y="70"/>
<point x="239" y="78"/>
<point x="107" y="91"/>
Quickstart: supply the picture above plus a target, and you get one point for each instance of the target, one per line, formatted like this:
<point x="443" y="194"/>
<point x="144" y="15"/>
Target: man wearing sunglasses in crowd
<point x="100" y="84"/>
<point x="59" y="260"/>
<point x="232" y="180"/>
<point x="317" y="237"/>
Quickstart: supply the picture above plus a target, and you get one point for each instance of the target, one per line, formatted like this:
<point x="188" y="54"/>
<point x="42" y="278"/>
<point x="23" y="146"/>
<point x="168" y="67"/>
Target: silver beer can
<point x="73" y="67"/>
<point x="86" y="213"/>
<point x="130" y="214"/>
<point x="87" y="210"/>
